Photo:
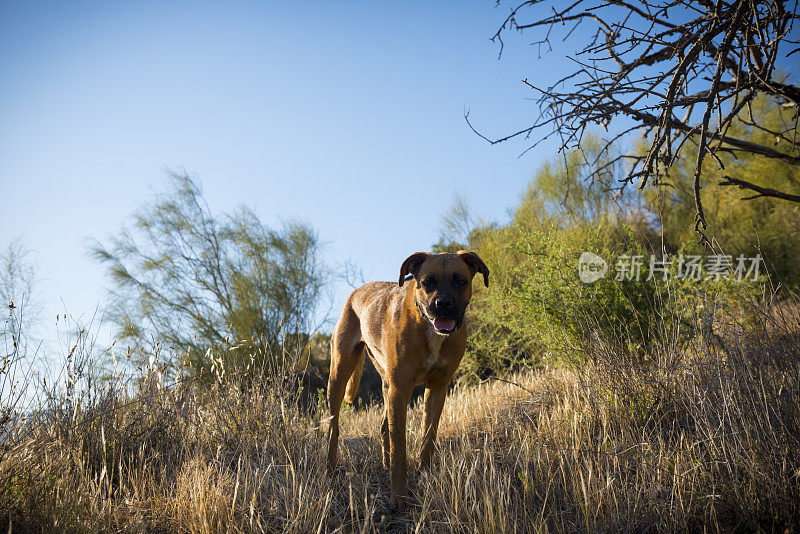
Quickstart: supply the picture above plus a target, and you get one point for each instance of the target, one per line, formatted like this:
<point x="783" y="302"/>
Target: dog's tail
<point x="355" y="378"/>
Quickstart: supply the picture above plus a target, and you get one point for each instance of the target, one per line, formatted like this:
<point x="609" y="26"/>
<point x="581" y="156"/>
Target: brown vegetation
<point x="705" y="437"/>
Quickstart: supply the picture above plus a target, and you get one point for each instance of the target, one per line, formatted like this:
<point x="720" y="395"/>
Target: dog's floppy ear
<point x="476" y="265"/>
<point x="411" y="265"/>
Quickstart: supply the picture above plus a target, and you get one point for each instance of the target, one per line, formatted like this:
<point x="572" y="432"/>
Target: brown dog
<point x="414" y="336"/>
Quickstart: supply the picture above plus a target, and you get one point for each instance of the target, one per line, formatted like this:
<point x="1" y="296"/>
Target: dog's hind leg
<point x="346" y="348"/>
<point x="385" y="446"/>
<point x="355" y="378"/>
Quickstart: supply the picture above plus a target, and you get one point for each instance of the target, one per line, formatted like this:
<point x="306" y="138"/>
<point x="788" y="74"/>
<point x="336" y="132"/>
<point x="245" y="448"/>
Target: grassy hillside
<point x="706" y="436"/>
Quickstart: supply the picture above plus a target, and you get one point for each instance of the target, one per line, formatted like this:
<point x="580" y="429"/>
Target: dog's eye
<point x="460" y="282"/>
<point x="428" y="283"/>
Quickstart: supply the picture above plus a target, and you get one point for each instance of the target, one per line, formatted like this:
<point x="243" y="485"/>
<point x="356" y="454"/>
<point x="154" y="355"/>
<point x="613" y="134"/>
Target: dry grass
<point x="705" y="439"/>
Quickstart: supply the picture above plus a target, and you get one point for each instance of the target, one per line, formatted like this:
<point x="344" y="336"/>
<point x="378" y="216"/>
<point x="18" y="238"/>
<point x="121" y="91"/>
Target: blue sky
<point x="347" y="115"/>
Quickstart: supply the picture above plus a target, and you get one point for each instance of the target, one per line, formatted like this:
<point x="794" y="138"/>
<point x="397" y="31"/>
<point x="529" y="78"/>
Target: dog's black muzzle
<point x="441" y="314"/>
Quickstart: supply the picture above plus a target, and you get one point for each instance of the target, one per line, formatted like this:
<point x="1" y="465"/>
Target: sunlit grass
<point x="710" y="444"/>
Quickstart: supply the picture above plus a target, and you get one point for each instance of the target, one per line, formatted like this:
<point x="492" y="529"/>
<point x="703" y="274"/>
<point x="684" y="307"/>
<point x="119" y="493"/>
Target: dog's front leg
<point x="399" y="395"/>
<point x="434" y="402"/>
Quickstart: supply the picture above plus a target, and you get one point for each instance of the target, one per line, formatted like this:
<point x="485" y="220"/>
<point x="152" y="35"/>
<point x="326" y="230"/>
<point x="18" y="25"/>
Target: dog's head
<point x="443" y="285"/>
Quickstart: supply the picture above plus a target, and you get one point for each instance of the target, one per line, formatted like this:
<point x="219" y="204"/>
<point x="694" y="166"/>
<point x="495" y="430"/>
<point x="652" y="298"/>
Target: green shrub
<point x="539" y="311"/>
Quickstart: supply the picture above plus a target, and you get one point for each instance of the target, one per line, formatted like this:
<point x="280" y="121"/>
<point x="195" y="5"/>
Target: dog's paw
<point x="397" y="503"/>
<point x="336" y="471"/>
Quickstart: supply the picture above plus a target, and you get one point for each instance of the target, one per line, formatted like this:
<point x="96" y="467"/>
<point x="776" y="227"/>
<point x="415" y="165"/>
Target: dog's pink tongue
<point x="444" y="325"/>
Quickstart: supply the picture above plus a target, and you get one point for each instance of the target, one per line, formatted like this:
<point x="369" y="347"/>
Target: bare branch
<point x="650" y="61"/>
<point x="762" y="191"/>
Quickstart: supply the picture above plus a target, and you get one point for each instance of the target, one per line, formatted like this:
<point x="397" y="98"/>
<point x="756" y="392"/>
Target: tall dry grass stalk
<point x="701" y="436"/>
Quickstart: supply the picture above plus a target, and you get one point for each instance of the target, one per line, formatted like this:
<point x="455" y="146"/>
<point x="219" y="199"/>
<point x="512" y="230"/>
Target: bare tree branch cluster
<point x="682" y="70"/>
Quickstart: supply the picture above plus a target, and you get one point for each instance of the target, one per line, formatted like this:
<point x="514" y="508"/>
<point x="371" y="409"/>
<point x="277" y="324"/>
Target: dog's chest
<point x="434" y="358"/>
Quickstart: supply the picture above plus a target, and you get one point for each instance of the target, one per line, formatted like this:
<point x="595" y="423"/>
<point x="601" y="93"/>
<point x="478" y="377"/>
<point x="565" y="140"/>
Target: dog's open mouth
<point x="444" y="326"/>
